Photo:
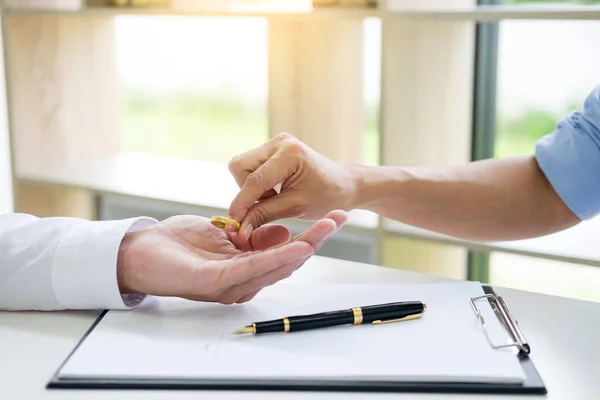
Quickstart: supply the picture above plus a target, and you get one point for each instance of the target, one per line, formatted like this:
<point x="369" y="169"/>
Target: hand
<point x="185" y="256"/>
<point x="311" y="184"/>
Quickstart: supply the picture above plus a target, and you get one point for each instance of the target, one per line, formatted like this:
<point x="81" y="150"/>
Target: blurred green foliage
<point x="185" y="124"/>
<point x="213" y="128"/>
<point x="517" y="135"/>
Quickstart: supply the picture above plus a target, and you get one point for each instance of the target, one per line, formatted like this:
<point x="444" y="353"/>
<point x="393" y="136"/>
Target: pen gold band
<point x="358" y="315"/>
<point x="286" y="325"/>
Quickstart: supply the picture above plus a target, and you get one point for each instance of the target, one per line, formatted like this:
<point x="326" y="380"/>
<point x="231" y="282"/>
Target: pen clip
<point x="391" y="321"/>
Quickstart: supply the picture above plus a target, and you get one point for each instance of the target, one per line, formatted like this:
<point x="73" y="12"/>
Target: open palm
<point x="185" y="256"/>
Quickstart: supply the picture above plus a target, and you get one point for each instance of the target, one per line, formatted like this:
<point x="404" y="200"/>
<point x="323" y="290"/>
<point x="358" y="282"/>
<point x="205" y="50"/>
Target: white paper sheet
<point x="174" y="338"/>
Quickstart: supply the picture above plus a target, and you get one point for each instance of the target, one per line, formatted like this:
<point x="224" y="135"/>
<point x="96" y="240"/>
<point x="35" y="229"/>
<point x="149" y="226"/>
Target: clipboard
<point x="532" y="384"/>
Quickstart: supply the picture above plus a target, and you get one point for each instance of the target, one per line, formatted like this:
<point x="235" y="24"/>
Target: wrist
<point x="361" y="183"/>
<point x="374" y="185"/>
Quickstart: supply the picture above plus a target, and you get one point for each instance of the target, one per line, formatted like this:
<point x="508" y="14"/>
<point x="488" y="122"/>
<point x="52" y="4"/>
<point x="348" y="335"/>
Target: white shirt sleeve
<point x="62" y="263"/>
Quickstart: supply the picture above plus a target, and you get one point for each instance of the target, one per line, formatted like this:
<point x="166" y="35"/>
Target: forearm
<point x="491" y="200"/>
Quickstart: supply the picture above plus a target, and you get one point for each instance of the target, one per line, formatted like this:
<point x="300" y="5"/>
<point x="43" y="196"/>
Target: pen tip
<point x="241" y="331"/>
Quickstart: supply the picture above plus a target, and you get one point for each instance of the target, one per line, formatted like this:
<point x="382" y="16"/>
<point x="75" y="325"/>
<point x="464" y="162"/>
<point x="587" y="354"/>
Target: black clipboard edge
<point x="533" y="384"/>
<point x="295" y="385"/>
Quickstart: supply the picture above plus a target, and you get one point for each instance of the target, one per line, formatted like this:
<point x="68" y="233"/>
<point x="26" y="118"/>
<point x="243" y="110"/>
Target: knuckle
<point x="261" y="216"/>
<point x="255" y="179"/>
<point x="289" y="143"/>
<point x="294" y="148"/>
<point x="283" y="136"/>
<point x="235" y="164"/>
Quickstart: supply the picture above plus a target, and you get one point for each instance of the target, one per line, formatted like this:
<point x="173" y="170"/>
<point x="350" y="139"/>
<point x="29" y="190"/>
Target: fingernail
<point x="334" y="230"/>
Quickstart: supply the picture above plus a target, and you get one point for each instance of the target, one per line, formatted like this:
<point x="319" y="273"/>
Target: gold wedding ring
<point x="222" y="222"/>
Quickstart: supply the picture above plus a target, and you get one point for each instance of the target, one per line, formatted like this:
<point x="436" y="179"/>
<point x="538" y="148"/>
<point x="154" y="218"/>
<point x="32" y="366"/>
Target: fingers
<point x="323" y="230"/>
<point x="259" y="184"/>
<point x="263" y="238"/>
<point x="318" y="234"/>
<point x="241" y="278"/>
<point x="285" y="205"/>
<point x="340" y="217"/>
<point x="268" y="194"/>
<point x="248" y="266"/>
<point x="269" y="236"/>
<point x="243" y="165"/>
<point x="259" y="170"/>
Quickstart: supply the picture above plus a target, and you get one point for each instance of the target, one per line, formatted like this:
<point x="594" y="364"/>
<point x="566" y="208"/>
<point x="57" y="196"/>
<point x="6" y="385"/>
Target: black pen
<point x="375" y="314"/>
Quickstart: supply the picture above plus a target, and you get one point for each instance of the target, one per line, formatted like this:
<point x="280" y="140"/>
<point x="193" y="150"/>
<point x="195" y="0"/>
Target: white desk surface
<point x="564" y="335"/>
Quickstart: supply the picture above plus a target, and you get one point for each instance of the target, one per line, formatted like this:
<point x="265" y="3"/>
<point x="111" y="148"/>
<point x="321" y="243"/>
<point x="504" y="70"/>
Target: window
<point x="372" y="92"/>
<point x="197" y="87"/>
<point x="193" y="87"/>
<point x="545" y="69"/>
<point x="545" y="276"/>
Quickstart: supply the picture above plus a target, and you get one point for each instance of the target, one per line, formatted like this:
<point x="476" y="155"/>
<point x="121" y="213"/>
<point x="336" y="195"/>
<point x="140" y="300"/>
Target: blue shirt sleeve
<point x="570" y="158"/>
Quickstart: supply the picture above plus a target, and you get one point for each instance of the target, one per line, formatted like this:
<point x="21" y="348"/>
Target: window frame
<point x="484" y="118"/>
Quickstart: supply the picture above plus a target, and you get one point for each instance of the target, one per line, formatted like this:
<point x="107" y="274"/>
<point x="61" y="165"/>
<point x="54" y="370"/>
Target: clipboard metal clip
<point x="506" y="320"/>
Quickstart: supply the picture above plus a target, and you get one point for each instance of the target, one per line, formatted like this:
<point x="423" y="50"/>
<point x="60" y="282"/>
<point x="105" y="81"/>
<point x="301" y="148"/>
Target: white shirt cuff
<point x="84" y="267"/>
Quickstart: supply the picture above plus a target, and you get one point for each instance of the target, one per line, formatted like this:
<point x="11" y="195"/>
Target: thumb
<point x="280" y="206"/>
